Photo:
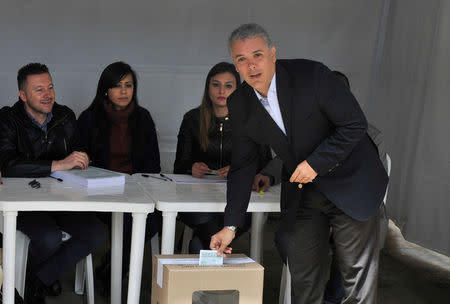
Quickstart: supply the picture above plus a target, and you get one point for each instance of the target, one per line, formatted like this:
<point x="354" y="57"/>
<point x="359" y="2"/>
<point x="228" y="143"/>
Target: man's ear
<point x="273" y="53"/>
<point x="22" y="95"/>
<point x="236" y="68"/>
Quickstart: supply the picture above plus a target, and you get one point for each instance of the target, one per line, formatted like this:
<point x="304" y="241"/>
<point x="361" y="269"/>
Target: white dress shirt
<point x="271" y="104"/>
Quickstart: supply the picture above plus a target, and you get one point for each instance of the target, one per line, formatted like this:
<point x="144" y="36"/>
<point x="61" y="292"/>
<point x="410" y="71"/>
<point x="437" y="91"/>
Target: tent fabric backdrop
<point x="410" y="103"/>
<point x="395" y="54"/>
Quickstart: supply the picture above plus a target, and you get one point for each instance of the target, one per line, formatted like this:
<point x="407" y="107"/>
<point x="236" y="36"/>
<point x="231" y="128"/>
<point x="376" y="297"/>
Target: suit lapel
<point x="284" y="94"/>
<point x="267" y="121"/>
<point x="267" y="126"/>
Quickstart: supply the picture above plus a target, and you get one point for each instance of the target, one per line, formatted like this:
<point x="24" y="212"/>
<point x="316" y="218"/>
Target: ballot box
<point x="179" y="279"/>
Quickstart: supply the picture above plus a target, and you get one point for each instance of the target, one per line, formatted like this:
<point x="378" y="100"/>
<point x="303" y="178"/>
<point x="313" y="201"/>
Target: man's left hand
<point x="303" y="173"/>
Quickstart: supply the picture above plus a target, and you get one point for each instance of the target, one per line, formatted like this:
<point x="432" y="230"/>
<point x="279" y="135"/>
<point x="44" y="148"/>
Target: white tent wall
<point x="172" y="44"/>
<point x="411" y="105"/>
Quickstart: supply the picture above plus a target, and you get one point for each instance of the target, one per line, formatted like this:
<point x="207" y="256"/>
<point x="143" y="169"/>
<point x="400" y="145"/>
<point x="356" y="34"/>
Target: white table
<point x="171" y="198"/>
<point x="16" y="195"/>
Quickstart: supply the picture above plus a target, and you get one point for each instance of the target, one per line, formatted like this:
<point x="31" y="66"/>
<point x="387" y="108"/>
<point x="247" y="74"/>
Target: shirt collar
<point x="272" y="88"/>
<point x="43" y="127"/>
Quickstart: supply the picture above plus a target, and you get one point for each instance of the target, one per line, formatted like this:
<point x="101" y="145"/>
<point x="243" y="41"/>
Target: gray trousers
<point x="306" y="248"/>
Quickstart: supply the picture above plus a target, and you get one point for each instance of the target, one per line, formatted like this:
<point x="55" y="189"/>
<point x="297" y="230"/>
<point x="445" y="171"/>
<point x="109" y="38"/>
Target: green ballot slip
<point x="210" y="258"/>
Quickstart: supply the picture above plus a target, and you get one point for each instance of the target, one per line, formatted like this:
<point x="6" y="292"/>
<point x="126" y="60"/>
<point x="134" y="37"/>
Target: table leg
<point x="168" y="232"/>
<point x="136" y="257"/>
<point x="256" y="236"/>
<point x="9" y="255"/>
<point x="116" y="257"/>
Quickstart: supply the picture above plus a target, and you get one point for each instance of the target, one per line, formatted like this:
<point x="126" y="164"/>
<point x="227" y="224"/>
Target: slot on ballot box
<point x="179" y="279"/>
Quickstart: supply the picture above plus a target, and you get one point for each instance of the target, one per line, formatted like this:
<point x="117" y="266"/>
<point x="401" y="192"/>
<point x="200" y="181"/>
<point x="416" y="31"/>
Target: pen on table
<point x="58" y="179"/>
<point x="146" y="175"/>
<point x="166" y="177"/>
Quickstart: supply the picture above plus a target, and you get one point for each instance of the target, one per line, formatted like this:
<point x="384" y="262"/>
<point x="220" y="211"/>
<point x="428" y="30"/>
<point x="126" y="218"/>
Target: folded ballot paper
<point x="92" y="177"/>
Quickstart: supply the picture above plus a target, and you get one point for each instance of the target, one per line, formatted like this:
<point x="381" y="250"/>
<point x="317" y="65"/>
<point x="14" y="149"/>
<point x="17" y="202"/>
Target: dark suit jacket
<point x="324" y="124"/>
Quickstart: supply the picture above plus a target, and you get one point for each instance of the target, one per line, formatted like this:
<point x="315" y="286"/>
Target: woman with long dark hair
<point x="120" y="135"/>
<point x="204" y="144"/>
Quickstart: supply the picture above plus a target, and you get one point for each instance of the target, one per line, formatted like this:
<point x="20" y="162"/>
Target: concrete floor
<point x="408" y="274"/>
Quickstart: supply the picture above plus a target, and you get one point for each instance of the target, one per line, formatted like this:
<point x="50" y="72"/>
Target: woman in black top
<point x="204" y="144"/>
<point x="120" y="135"/>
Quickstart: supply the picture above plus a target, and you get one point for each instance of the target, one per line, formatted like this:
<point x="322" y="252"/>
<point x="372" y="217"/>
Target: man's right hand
<point x="199" y="169"/>
<point x="261" y="183"/>
<point x="221" y="240"/>
<point x="75" y="159"/>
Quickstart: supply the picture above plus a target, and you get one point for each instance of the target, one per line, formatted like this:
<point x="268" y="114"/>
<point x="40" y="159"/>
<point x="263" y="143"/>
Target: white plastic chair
<point x="388" y="162"/>
<point x="22" y="244"/>
<point x="285" y="285"/>
<point x="84" y="273"/>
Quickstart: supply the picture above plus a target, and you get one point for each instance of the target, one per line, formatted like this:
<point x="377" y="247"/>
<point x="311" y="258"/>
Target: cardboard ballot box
<point x="177" y="277"/>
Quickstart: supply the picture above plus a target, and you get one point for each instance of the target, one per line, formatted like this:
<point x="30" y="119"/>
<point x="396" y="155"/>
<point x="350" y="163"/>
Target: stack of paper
<point x="92" y="177"/>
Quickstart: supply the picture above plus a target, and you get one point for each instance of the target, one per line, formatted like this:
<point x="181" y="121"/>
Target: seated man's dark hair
<point x="30" y="69"/>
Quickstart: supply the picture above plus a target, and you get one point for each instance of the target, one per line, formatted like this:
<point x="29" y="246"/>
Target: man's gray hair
<point x="249" y="31"/>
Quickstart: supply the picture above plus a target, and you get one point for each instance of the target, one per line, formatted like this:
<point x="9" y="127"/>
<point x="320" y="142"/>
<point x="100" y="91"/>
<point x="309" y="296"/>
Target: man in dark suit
<point x="332" y="176"/>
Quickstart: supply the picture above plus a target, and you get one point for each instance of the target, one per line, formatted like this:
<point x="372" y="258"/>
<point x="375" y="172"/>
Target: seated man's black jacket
<point x="26" y="150"/>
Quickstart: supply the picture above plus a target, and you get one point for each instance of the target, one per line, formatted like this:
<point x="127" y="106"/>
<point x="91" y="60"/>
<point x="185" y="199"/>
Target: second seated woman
<point x="204" y="144"/>
<point x="120" y="135"/>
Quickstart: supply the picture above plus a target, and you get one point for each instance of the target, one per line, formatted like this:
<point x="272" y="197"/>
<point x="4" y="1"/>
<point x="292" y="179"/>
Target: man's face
<point x="255" y="62"/>
<point x="38" y="95"/>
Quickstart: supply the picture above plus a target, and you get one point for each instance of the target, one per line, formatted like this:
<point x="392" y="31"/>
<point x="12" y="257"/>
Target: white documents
<point x="92" y="177"/>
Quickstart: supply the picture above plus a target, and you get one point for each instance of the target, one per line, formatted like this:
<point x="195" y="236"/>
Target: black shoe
<point x="34" y="290"/>
<point x="52" y="290"/>
<point x="34" y="295"/>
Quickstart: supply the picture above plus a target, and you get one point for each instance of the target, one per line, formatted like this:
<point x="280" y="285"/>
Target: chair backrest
<point x="22" y="243"/>
<point x="388" y="161"/>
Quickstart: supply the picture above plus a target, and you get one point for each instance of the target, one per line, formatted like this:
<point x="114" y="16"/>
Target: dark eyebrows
<point x="127" y="82"/>
<point x="254" y="52"/>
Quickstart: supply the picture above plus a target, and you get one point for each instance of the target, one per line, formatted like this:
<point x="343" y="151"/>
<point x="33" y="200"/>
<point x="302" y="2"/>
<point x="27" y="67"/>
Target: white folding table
<point x="17" y="195"/>
<point x="171" y="198"/>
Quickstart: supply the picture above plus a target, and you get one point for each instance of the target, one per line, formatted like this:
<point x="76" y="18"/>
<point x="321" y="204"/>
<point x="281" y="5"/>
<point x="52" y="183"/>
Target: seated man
<point x="37" y="137"/>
